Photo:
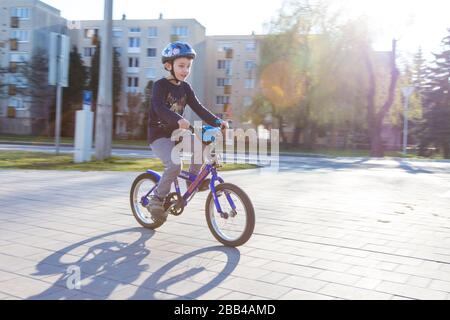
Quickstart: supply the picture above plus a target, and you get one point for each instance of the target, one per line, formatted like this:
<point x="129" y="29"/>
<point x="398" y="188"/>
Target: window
<point x="13" y="67"/>
<point x="223" y="47"/>
<point x="133" y="82"/>
<point x="118" y="50"/>
<point x="249" y="83"/>
<point x="117" y="33"/>
<point x="248" y="101"/>
<point x="222" y="99"/>
<point x="21" y="13"/>
<point x="222" y="82"/>
<point x="150" y="73"/>
<point x="151" y="52"/>
<point x="180" y="31"/>
<point x="133" y="62"/>
<point x="20" y="35"/>
<point x="223" y="64"/>
<point x="135" y="29"/>
<point x="152" y="32"/>
<point x="250" y="46"/>
<point x="18" y="57"/>
<point x="134" y="42"/>
<point x="89" y="33"/>
<point x="250" y="65"/>
<point x="19" y="80"/>
<point x="16" y="103"/>
<point x="89" y="51"/>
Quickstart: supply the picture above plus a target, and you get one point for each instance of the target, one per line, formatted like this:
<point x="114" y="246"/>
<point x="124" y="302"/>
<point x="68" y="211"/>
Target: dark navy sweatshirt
<point x="168" y="103"/>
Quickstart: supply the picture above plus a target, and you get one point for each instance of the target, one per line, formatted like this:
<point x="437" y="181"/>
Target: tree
<point x="292" y="78"/>
<point x="145" y="108"/>
<point x="94" y="74"/>
<point x="117" y="80"/>
<point x="3" y="82"/>
<point x="310" y="72"/>
<point x="117" y="86"/>
<point x="73" y="94"/>
<point x="436" y="125"/>
<point x="36" y="91"/>
<point x="376" y="114"/>
<point x="134" y="115"/>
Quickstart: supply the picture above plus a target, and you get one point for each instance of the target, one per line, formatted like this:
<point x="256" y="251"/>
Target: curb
<point x="289" y="154"/>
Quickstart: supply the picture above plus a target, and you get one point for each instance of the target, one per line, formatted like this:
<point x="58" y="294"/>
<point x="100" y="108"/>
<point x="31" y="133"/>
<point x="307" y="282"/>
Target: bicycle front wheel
<point x="234" y="226"/>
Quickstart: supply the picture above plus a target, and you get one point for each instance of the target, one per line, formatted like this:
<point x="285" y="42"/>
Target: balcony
<point x="133" y="70"/>
<point x="13" y="44"/>
<point x="174" y="37"/>
<point x="13" y="67"/>
<point x="11" y="112"/>
<point x="12" y="90"/>
<point x="227" y="107"/>
<point x="134" y="90"/>
<point x="229" y="54"/>
<point x="134" y="50"/>
<point x="14" y="22"/>
<point x="95" y="40"/>
<point x="227" y="110"/>
<point x="227" y="89"/>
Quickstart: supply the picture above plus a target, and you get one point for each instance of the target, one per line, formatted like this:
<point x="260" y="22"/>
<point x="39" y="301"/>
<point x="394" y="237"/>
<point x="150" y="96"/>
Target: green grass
<point x="48" y="161"/>
<point x="42" y="139"/>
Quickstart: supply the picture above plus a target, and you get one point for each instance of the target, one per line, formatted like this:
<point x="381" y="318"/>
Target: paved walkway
<point x="326" y="229"/>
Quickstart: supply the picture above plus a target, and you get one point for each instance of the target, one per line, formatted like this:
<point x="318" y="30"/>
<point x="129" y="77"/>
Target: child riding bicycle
<point x="170" y="97"/>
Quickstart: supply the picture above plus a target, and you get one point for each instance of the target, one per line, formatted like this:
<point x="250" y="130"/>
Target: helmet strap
<point x="172" y="72"/>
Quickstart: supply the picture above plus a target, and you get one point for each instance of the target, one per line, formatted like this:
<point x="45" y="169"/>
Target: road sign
<point x="58" y="63"/>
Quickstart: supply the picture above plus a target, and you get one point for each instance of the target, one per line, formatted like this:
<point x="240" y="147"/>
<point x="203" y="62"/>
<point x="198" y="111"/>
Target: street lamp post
<point x="104" y="116"/>
<point x="407" y="91"/>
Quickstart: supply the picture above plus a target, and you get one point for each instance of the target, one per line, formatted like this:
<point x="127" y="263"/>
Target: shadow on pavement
<point x="110" y="261"/>
<point x="104" y="259"/>
<point x="157" y="282"/>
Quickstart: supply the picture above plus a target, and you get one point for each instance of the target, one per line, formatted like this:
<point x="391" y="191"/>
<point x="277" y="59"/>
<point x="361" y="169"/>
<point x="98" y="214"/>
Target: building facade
<point x="139" y="44"/>
<point x="231" y="80"/>
<point x="26" y="26"/>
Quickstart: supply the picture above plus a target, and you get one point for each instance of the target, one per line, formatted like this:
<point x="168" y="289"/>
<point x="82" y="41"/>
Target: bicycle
<point x="222" y="216"/>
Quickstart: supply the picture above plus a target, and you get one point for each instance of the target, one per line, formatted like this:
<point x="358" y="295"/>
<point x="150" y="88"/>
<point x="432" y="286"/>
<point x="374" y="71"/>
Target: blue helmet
<point x="176" y="50"/>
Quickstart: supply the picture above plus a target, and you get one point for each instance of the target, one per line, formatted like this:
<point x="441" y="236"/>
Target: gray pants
<point x="163" y="149"/>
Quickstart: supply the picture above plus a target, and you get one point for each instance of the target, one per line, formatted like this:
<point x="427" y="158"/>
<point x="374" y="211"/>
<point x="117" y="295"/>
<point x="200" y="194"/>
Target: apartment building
<point x="224" y="76"/>
<point x="231" y="80"/>
<point x="25" y="27"/>
<point x="139" y="44"/>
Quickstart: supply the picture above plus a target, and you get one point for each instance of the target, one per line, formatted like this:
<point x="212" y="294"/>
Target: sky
<point x="413" y="22"/>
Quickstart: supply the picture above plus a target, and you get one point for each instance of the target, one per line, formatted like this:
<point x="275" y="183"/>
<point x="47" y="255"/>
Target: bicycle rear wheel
<point x="235" y="227"/>
<point x="141" y="186"/>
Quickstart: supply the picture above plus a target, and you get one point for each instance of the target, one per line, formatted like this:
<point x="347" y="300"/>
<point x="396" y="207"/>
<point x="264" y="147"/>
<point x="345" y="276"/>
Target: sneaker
<point x="156" y="208"/>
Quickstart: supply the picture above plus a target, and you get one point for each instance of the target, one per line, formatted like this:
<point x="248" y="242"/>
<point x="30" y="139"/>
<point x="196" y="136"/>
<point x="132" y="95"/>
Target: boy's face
<point x="181" y="68"/>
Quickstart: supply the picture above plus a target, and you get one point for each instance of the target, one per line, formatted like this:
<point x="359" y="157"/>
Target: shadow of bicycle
<point x="113" y="261"/>
<point x="202" y="270"/>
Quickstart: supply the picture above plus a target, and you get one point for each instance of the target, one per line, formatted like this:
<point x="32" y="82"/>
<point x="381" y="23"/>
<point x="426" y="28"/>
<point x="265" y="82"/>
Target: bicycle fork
<point x="224" y="215"/>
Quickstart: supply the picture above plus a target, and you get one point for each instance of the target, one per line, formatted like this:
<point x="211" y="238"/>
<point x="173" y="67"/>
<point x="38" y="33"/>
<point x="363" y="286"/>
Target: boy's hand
<point x="184" y="124"/>
<point x="224" y="125"/>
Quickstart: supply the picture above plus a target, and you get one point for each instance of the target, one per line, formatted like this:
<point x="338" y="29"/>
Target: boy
<point x="170" y="96"/>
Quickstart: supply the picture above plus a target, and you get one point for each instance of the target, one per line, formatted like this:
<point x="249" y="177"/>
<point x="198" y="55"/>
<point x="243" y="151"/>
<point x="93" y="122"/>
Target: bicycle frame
<point x="196" y="180"/>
